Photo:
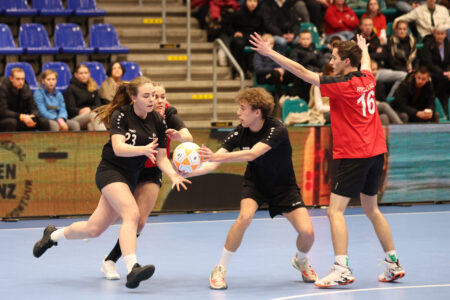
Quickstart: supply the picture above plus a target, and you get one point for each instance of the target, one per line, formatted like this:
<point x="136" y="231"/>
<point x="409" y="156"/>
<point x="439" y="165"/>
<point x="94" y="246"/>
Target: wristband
<point x="22" y="116"/>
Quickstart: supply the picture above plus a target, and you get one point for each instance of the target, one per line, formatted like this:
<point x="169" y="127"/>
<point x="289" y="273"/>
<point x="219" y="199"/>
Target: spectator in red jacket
<point x="340" y="20"/>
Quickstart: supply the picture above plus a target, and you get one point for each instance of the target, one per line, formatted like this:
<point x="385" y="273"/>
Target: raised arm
<point x="295" y="68"/>
<point x="365" y="59"/>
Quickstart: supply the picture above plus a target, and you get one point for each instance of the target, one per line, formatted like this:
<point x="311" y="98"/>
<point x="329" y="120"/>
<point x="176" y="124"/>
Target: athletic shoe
<point x="45" y="242"/>
<point x="393" y="272"/>
<point x="139" y="274"/>
<point x="217" y="278"/>
<point x="338" y="275"/>
<point x="305" y="268"/>
<point x="109" y="269"/>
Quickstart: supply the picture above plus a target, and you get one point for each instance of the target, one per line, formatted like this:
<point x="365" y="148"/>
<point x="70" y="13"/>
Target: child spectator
<point x="379" y="20"/>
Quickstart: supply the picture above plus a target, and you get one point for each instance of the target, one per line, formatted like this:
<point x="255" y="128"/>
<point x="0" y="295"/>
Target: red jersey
<point x="355" y="123"/>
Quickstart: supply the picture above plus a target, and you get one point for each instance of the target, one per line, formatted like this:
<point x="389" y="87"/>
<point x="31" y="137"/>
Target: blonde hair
<point x="257" y="98"/>
<point x="91" y="83"/>
<point x="121" y="98"/>
<point x="47" y="73"/>
<point x="16" y="70"/>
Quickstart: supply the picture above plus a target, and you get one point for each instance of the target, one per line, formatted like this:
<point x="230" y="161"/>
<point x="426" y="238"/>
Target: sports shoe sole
<point x="145" y="273"/>
<point x="305" y="279"/>
<point x="217" y="288"/>
<point x="331" y="285"/>
<point x="396" y="276"/>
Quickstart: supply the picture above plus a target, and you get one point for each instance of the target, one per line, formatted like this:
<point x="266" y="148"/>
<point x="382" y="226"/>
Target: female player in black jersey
<point x="137" y="133"/>
<point x="149" y="182"/>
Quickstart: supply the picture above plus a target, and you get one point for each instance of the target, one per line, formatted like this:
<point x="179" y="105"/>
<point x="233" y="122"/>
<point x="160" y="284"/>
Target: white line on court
<point x="361" y="290"/>
<point x="257" y="219"/>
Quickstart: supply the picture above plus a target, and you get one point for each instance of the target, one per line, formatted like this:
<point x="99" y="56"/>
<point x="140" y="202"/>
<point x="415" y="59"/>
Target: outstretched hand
<point x="150" y="151"/>
<point x="178" y="180"/>
<point x="259" y="45"/>
<point x="361" y="41"/>
<point x="206" y="154"/>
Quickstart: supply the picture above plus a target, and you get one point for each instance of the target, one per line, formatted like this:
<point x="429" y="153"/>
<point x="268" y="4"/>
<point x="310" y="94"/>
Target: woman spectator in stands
<point x="340" y="20"/>
<point x="379" y="20"/>
<point x="82" y="98"/>
<point x="109" y="86"/>
<point x="50" y="103"/>
<point x="401" y="49"/>
<point x="243" y="23"/>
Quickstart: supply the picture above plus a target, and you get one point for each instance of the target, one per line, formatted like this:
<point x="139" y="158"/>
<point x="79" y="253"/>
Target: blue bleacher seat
<point x="30" y="78"/>
<point x="97" y="71"/>
<point x="7" y="45"/>
<point x="440" y="110"/>
<point x="34" y="39"/>
<point x="69" y="39"/>
<point x="294" y="106"/>
<point x="314" y="34"/>
<point x="104" y="39"/>
<point x="53" y="8"/>
<point x="86" y="8"/>
<point x="17" y="8"/>
<point x="132" y="70"/>
<point x="63" y="71"/>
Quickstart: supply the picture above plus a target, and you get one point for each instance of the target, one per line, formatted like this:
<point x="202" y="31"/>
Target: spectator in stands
<point x="386" y="112"/>
<point x="405" y="6"/>
<point x="82" y="98"/>
<point x="18" y="111"/>
<point x="340" y="20"/>
<point x="414" y="98"/>
<point x="319" y="107"/>
<point x="401" y="48"/>
<point x="379" y="20"/>
<point x="243" y="23"/>
<point x="376" y="50"/>
<point x="435" y="54"/>
<point x="316" y="11"/>
<point x="306" y="54"/>
<point x="50" y="103"/>
<point x="356" y="4"/>
<point x="269" y="72"/>
<point x="385" y="76"/>
<point x="281" y="20"/>
<point x="109" y="86"/>
<point x="427" y="16"/>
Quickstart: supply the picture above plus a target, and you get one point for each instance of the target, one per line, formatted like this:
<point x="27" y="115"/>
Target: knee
<point x="371" y="213"/>
<point x="94" y="232"/>
<point x="141" y="224"/>
<point x="9" y="124"/>
<point x="308" y="234"/>
<point x="332" y="213"/>
<point x="132" y="215"/>
<point x="244" y="220"/>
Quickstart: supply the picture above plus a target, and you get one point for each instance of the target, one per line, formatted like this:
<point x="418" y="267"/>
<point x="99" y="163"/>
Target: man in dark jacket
<point x="376" y="50"/>
<point x="435" y="54"/>
<point x="414" y="98"/>
<point x="18" y="111"/>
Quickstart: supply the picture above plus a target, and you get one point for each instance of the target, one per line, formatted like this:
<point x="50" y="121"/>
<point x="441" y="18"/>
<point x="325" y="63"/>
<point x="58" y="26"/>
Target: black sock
<point x="115" y="253"/>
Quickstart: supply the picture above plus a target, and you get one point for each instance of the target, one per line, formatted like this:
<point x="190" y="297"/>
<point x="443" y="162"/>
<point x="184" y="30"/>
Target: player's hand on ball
<point x="205" y="153"/>
<point x="150" y="150"/>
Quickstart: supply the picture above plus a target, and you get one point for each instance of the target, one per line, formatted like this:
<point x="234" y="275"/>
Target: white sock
<point x="58" y="235"/>
<point x="225" y="258"/>
<point x="130" y="261"/>
<point x="301" y="255"/>
<point x="342" y="260"/>
<point x="391" y="256"/>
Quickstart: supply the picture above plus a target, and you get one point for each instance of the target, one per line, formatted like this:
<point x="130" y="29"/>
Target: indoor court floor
<point x="185" y="247"/>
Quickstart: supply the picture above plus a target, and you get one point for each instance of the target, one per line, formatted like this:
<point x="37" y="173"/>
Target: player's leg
<point x="146" y="194"/>
<point x="233" y="241"/>
<point x="300" y="220"/>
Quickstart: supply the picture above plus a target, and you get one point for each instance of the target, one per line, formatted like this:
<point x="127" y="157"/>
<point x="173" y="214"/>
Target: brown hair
<point x="16" y="70"/>
<point x="47" y="73"/>
<point x="365" y="18"/>
<point x="91" y="84"/>
<point x="327" y="70"/>
<point x="401" y="22"/>
<point x="123" y="97"/>
<point x="367" y="8"/>
<point x="350" y="50"/>
<point x="257" y="98"/>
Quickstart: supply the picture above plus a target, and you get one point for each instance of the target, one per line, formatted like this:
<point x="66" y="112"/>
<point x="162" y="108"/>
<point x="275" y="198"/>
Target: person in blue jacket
<point x="51" y="105"/>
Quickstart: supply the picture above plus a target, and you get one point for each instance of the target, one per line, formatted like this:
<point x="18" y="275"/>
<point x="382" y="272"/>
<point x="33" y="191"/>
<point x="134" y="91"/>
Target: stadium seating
<point x="266" y="86"/>
<point x="34" y="39"/>
<point x="69" y="39"/>
<point x="440" y="110"/>
<point x="17" y="8"/>
<point x="30" y="78"/>
<point x="53" y="8"/>
<point x="104" y="39"/>
<point x="132" y="70"/>
<point x="97" y="71"/>
<point x="294" y="106"/>
<point x="85" y="8"/>
<point x="7" y="45"/>
<point x="63" y="71"/>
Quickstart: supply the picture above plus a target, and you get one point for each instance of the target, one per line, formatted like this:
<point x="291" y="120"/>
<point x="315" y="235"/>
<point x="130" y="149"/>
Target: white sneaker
<point x="393" y="272"/>
<point x="338" y="275"/>
<point x="305" y="268"/>
<point x="109" y="269"/>
<point x="217" y="278"/>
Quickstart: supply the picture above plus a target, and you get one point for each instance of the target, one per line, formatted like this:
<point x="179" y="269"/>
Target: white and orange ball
<point x="186" y="157"/>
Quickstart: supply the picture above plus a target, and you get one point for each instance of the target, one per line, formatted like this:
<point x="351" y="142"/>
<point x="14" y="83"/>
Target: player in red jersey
<point x="358" y="144"/>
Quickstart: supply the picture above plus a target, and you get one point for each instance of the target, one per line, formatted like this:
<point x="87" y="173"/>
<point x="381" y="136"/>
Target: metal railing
<point x="218" y="43"/>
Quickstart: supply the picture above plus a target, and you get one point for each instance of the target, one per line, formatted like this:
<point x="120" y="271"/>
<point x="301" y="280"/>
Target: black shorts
<point x="279" y="203"/>
<point x="108" y="173"/>
<point x="358" y="175"/>
<point x="152" y="174"/>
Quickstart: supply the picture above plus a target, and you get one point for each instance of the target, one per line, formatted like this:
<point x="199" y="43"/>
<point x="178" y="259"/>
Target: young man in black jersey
<point x="269" y="177"/>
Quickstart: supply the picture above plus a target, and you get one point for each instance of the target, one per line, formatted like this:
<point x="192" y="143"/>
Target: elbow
<point x="251" y="156"/>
